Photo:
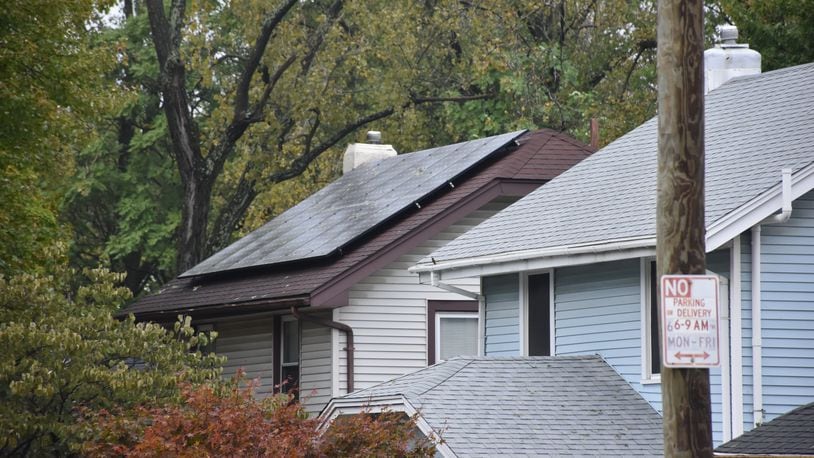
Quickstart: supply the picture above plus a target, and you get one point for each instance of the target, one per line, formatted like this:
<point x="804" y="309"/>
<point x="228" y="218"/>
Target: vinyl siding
<point x="502" y="315"/>
<point x="787" y="303"/>
<point x="315" y="365"/>
<point x="388" y="311"/>
<point x="247" y="344"/>
<point x="598" y="310"/>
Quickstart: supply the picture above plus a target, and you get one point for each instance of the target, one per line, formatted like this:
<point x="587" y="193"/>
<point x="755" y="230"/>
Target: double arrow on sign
<point x="704" y="355"/>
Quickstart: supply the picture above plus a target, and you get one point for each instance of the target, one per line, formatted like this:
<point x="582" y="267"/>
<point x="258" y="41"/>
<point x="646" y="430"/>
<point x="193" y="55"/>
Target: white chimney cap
<point x="729" y="34"/>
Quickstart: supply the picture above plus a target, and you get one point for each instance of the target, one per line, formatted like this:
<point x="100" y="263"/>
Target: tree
<point x="217" y="421"/>
<point x="63" y="352"/>
<point x="782" y="31"/>
<point x="300" y="77"/>
<point x="50" y="81"/>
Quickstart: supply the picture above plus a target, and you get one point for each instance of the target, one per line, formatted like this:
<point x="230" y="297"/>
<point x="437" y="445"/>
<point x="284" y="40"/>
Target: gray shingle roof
<point x="755" y="126"/>
<point x="350" y="206"/>
<point x="788" y="434"/>
<point x="564" y="405"/>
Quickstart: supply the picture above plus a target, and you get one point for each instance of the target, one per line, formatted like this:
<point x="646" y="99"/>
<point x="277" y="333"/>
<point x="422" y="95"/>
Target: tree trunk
<point x="680" y="222"/>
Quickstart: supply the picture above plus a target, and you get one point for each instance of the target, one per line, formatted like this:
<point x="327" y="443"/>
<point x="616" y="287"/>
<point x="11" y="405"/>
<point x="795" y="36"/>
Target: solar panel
<point x="350" y="206"/>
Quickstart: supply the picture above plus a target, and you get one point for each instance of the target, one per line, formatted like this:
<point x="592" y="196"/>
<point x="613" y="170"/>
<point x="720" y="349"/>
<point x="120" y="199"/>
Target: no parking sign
<point x="690" y="321"/>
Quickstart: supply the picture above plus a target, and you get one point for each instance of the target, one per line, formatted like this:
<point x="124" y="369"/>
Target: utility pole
<point x="680" y="229"/>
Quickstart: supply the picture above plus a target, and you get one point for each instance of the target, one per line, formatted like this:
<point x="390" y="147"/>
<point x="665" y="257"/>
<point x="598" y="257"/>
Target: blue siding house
<point x="569" y="269"/>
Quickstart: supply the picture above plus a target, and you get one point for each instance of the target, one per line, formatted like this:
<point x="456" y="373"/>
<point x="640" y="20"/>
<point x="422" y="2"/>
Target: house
<point x="320" y="296"/>
<point x="789" y="435"/>
<point x="569" y="269"/>
<point x="537" y="406"/>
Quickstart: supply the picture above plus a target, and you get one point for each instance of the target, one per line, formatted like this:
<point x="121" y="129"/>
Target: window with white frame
<point x="290" y="355"/>
<point x="456" y="334"/>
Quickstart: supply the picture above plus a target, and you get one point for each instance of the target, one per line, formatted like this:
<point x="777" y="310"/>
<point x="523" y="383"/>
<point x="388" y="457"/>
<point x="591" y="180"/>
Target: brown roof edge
<point x="234" y="309"/>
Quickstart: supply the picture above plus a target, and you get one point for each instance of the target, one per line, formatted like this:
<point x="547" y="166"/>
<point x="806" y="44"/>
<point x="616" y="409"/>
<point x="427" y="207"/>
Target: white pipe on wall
<point x="757" y="338"/>
<point x="736" y="333"/>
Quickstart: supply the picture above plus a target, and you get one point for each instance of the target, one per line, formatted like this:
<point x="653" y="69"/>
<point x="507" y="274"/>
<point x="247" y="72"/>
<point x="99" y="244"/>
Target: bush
<point x="217" y="421"/>
<point x="63" y="353"/>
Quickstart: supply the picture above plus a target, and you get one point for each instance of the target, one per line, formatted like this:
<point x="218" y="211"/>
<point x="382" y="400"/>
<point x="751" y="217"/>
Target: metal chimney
<point x="728" y="59"/>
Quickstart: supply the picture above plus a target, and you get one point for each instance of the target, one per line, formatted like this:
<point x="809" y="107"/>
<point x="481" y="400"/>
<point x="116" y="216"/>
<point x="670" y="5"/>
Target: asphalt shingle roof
<point x="353" y="204"/>
<point x="514" y="406"/>
<point x="755" y="126"/>
<point x="788" y="434"/>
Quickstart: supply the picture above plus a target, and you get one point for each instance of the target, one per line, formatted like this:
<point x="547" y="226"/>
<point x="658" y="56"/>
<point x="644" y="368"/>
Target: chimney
<point x="357" y="154"/>
<point x="728" y="59"/>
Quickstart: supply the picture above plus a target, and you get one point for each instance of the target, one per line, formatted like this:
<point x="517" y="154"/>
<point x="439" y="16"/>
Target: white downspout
<point x="736" y="332"/>
<point x="757" y="327"/>
<point x="757" y="344"/>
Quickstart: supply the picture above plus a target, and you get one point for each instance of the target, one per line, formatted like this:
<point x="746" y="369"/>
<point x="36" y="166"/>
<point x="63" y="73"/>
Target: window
<point x="538" y="314"/>
<point x="452" y="329"/>
<point x="652" y="344"/>
<point x="289" y="355"/>
<point x="456" y="334"/>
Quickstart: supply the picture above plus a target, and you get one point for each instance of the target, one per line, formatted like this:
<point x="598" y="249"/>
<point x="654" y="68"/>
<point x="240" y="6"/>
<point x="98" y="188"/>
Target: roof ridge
<point x="447" y="378"/>
<point x="548" y="136"/>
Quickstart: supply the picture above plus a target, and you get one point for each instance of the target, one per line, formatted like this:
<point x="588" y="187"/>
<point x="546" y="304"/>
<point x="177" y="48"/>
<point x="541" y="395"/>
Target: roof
<point x="350" y="206"/>
<point x="563" y="405"/>
<point x="540" y="156"/>
<point x="755" y="126"/>
<point x="788" y="434"/>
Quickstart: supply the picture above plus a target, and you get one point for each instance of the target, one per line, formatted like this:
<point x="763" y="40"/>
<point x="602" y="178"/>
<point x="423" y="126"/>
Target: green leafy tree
<point x="51" y="87"/>
<point x="64" y="352"/>
<point x="781" y="30"/>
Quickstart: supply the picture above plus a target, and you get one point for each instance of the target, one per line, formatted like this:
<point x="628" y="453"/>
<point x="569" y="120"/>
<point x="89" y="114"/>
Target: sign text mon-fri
<point x="689" y="321"/>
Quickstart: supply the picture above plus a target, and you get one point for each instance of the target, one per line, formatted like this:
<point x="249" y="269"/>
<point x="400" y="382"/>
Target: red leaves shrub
<point x="216" y="421"/>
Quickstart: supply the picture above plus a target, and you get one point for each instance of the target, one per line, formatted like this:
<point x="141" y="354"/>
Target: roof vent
<point x="357" y="154"/>
<point x="729" y="59"/>
<point x="374" y="137"/>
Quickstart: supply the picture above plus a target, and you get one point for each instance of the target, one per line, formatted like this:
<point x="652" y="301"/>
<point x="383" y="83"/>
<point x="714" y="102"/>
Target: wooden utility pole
<point x="680" y="215"/>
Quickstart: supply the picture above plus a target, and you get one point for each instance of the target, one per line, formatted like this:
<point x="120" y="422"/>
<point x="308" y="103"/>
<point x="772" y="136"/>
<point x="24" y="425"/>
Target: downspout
<point x="453" y="289"/>
<point x="334" y="325"/>
<point x="757" y="332"/>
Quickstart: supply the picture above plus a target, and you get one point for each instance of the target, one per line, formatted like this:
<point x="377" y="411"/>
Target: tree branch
<point x="270" y="23"/>
<point x="315" y="40"/>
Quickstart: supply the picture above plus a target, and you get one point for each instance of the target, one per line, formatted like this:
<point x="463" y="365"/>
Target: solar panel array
<point x="352" y="205"/>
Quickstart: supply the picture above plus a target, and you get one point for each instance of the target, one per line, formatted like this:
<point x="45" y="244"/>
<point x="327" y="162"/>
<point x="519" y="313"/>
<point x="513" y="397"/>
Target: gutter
<point x="757" y="328"/>
<point x="334" y="325"/>
<point x="622" y="245"/>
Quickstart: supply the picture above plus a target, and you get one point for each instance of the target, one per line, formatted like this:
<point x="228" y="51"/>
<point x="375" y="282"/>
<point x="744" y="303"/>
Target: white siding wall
<point x="247" y="344"/>
<point x="315" y="365"/>
<point x="388" y="312"/>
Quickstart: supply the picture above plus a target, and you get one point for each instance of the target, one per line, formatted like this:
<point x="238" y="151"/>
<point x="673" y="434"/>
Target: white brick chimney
<point x="357" y="154"/>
